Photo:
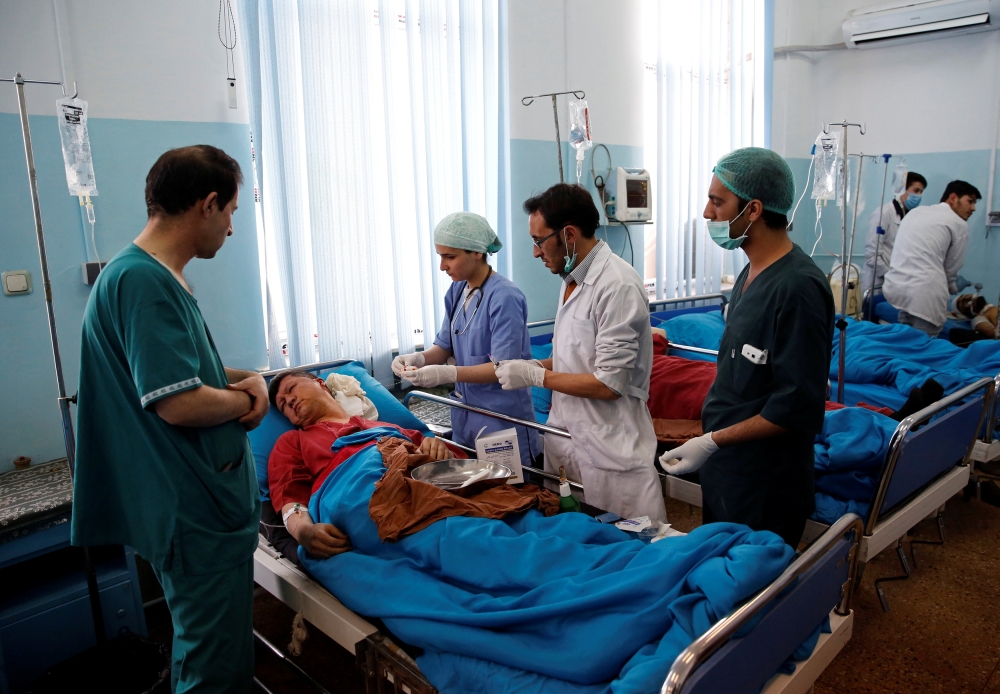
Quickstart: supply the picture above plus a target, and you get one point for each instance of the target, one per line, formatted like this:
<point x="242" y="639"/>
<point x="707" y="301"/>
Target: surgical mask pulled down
<point x="719" y="231"/>
<point x="570" y="261"/>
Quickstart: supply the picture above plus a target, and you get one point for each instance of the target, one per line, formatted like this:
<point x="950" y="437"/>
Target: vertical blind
<point x="372" y="119"/>
<point x="704" y="86"/>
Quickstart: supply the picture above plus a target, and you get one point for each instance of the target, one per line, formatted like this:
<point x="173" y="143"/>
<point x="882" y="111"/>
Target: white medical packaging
<point x="501" y="447"/>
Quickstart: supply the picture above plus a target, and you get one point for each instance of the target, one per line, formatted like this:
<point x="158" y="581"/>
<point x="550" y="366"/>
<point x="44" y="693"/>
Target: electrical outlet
<point x="16" y="282"/>
<point x="91" y="271"/>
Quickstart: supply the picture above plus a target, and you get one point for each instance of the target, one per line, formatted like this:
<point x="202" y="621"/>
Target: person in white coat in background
<point x="602" y="356"/>
<point x="888" y="217"/>
<point x="929" y="252"/>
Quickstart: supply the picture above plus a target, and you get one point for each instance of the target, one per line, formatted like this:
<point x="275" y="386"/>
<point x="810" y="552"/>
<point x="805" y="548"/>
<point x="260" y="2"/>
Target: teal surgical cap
<point x="468" y="231"/>
<point x="755" y="173"/>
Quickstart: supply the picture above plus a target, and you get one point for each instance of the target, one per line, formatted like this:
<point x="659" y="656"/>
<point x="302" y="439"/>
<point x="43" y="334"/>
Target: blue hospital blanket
<point x="560" y="604"/>
<point x="696" y="330"/>
<point x="849" y="455"/>
<point x="905" y="358"/>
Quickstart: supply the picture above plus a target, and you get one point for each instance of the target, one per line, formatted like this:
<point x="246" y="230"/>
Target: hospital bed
<point x="731" y="656"/>
<point x="926" y="464"/>
<point x="884" y="312"/>
<point x="658" y="312"/>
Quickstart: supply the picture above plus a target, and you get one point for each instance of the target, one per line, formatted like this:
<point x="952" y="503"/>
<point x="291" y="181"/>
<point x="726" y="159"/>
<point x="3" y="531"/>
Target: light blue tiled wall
<point x="227" y="287"/>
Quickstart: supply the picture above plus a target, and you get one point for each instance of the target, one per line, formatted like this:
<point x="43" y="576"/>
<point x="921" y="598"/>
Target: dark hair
<point x="181" y="177"/>
<point x="272" y="388"/>
<point x="564" y="204"/>
<point x="772" y="220"/>
<point x="913" y="177"/>
<point x="960" y="188"/>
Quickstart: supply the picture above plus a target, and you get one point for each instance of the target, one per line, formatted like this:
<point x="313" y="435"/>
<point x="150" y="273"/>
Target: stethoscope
<point x="465" y="300"/>
<point x="451" y="322"/>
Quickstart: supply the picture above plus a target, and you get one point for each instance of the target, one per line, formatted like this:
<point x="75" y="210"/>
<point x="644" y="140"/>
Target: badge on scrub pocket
<point x="756" y="356"/>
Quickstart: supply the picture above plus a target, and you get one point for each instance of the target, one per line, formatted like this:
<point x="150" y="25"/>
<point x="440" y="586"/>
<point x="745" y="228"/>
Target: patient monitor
<point x="628" y="196"/>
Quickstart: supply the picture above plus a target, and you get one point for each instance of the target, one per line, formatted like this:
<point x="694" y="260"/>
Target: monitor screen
<point x="636" y="194"/>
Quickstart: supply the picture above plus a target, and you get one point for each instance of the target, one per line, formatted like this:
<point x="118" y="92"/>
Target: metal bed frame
<point x="723" y="300"/>
<point x="825" y="571"/>
<point x="935" y="466"/>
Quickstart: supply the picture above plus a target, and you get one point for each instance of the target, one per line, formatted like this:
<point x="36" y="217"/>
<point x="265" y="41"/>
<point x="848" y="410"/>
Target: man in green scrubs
<point x="768" y="400"/>
<point x="163" y="460"/>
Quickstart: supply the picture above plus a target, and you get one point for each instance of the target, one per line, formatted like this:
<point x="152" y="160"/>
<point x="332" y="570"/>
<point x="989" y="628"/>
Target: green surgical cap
<point x="468" y="231"/>
<point x="755" y="173"/>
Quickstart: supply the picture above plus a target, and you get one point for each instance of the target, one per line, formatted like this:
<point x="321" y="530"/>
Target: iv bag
<point x="72" y="117"/>
<point x="579" y="132"/>
<point x="899" y="179"/>
<point x="825" y="166"/>
<point x="579" y="125"/>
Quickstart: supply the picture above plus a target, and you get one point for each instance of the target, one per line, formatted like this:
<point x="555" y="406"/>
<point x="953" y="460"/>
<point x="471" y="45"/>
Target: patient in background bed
<point x="301" y="459"/>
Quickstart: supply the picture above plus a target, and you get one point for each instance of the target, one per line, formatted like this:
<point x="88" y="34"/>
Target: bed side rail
<point x="718" y="662"/>
<point x="544" y="428"/>
<point x="662" y="302"/>
<point x="993" y="418"/>
<point x="387" y="668"/>
<point x="689" y="299"/>
<point x="696" y="350"/>
<point x="318" y="366"/>
<point x="922" y="456"/>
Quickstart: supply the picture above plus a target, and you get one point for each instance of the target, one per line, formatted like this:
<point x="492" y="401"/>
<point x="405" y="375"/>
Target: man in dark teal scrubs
<point x="163" y="460"/>
<point x="768" y="400"/>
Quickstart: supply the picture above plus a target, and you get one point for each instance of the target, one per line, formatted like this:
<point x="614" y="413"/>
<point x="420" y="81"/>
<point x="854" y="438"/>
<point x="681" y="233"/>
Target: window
<point x="704" y="96"/>
<point x="374" y="119"/>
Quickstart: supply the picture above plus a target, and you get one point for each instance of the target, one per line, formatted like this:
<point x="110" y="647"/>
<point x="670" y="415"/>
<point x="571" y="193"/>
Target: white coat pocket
<point x="608" y="447"/>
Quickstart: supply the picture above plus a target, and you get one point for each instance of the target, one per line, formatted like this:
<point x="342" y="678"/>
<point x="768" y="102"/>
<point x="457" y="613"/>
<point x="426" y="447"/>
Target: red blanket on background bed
<point x="678" y="388"/>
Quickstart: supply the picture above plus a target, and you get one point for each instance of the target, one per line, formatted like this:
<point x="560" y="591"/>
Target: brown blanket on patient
<point x="401" y="505"/>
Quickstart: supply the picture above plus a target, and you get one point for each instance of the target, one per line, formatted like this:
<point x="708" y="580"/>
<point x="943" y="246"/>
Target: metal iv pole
<point x="879" y="233"/>
<point x="845" y="261"/>
<point x="67" y="422"/>
<point x="528" y="100"/>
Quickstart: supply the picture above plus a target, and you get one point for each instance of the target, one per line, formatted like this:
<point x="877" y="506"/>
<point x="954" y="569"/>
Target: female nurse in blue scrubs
<point x="485" y="323"/>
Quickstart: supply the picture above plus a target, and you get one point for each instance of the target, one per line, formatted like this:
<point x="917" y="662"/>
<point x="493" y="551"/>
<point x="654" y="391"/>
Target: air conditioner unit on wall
<point x="909" y="21"/>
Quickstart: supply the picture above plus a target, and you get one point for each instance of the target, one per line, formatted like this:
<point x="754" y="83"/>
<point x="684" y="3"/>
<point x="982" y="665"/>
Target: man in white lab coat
<point x="888" y="217"/>
<point x="929" y="252"/>
<point x="602" y="356"/>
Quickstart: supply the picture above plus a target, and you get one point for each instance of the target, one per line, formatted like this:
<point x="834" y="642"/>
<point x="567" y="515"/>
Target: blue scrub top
<point x="499" y="327"/>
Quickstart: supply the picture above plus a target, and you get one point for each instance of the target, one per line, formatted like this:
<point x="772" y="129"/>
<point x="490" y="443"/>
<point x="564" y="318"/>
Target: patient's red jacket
<point x="302" y="459"/>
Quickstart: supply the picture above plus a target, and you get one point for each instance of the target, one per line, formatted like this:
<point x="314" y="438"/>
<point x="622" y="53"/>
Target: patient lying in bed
<point x="303" y="458"/>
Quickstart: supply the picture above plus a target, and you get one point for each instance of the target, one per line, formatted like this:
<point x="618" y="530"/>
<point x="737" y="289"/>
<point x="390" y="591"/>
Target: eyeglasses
<point x="538" y="242"/>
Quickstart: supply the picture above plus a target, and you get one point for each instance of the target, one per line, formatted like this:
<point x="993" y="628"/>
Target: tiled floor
<point x="941" y="635"/>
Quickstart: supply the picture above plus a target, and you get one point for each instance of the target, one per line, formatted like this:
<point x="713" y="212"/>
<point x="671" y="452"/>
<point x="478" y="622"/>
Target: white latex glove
<point x="433" y="375"/>
<point x="520" y="373"/>
<point x="690" y="456"/>
<point x="403" y="361"/>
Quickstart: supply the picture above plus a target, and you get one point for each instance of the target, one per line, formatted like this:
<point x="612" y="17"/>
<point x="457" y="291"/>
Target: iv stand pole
<point x="879" y="233"/>
<point x="64" y="401"/>
<point x="527" y="101"/>
<point x="845" y="261"/>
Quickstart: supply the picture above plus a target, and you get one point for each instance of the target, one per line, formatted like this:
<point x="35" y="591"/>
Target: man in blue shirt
<point x="164" y="463"/>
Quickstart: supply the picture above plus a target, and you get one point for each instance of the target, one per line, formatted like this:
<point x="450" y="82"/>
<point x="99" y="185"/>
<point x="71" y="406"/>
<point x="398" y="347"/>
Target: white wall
<point x="933" y="96"/>
<point x="135" y="59"/>
<point x="593" y="45"/>
<point x="154" y="76"/>
<point x="557" y="45"/>
<point x="934" y="102"/>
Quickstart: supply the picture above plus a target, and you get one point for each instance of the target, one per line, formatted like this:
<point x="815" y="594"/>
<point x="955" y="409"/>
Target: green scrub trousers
<point x="212" y="614"/>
